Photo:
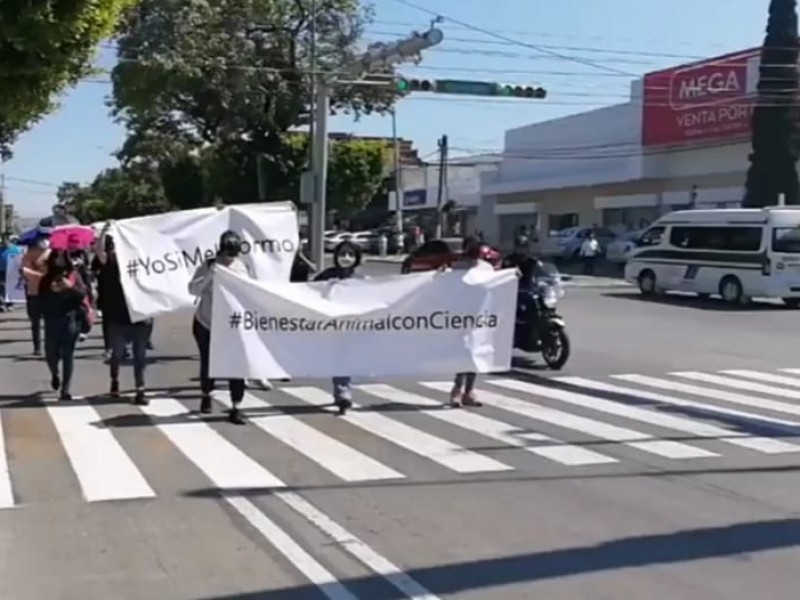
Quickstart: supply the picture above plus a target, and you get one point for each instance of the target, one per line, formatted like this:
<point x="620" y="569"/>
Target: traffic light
<point x="406" y="86"/>
<point x="518" y="91"/>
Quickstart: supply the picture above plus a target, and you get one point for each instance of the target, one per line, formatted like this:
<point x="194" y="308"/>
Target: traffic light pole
<point x="320" y="167"/>
<point x="380" y="54"/>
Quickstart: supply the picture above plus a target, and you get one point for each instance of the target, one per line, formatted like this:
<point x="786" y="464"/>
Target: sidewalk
<point x="608" y="275"/>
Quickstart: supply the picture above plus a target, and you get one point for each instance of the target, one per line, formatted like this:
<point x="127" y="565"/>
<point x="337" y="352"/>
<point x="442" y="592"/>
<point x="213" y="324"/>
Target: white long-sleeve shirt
<point x="590" y="247"/>
<point x="201" y="286"/>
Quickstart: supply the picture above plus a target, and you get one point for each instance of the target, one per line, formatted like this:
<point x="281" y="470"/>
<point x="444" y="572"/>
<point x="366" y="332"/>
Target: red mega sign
<point x="704" y="101"/>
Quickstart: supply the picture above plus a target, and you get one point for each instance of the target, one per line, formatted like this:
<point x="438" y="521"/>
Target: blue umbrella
<point x="31" y="236"/>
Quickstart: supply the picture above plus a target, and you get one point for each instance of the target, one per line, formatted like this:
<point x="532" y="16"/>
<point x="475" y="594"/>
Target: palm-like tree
<point x="773" y="161"/>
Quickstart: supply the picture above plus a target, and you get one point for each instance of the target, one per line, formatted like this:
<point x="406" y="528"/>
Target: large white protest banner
<point x="407" y="325"/>
<point x="159" y="253"/>
<point x="14" y="284"/>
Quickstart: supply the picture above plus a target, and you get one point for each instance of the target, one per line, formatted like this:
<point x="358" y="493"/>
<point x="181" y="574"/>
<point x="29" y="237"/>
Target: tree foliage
<point x="773" y="161"/>
<point x="46" y="47"/>
<point x="199" y="75"/>
<point x="357" y="172"/>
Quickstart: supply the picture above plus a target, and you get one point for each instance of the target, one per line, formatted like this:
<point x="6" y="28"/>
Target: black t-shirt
<point x="300" y="270"/>
<point x="109" y="284"/>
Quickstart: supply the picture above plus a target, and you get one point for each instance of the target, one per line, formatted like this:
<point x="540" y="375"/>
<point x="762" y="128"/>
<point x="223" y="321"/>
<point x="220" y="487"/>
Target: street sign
<point x="465" y="87"/>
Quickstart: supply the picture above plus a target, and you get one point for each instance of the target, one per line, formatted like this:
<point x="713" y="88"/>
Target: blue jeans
<point x="120" y="336"/>
<point x="341" y="389"/>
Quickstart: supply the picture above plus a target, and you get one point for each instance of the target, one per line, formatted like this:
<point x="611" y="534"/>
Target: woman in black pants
<point x="62" y="294"/>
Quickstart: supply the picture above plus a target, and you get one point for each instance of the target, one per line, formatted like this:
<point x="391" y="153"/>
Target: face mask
<point x="347" y="260"/>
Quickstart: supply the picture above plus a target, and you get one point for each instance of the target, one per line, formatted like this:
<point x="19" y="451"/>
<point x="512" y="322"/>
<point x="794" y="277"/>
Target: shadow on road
<point x="641" y="551"/>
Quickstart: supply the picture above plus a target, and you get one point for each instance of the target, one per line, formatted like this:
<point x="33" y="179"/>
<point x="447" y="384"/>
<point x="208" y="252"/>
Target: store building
<point x="681" y="140"/>
<point x="461" y="185"/>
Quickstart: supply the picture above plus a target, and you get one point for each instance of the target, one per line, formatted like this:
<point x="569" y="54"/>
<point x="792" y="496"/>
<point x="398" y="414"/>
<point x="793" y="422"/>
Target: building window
<point x="562" y="222"/>
<point x="621" y="220"/>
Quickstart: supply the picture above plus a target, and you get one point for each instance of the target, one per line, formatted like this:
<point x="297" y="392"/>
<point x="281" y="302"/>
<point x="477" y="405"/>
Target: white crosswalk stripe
<point x="682" y="416"/>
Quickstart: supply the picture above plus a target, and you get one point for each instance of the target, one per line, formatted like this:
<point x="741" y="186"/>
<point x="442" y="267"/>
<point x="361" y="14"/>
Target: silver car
<point x="617" y="251"/>
<point x="566" y="244"/>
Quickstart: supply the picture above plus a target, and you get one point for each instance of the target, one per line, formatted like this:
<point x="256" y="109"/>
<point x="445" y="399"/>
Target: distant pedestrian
<point x="590" y="248"/>
<point x="34" y="266"/>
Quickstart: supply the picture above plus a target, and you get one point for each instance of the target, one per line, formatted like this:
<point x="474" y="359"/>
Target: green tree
<point x="46" y="47"/>
<point x="357" y="171"/>
<point x="773" y="161"/>
<point x="198" y="74"/>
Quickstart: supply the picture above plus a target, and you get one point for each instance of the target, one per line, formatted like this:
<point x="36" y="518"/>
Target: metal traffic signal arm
<point x="463" y="87"/>
<point x="378" y="55"/>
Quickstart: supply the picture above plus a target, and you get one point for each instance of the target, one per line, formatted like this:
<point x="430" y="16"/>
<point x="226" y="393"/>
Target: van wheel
<point x="647" y="282"/>
<point x="730" y="288"/>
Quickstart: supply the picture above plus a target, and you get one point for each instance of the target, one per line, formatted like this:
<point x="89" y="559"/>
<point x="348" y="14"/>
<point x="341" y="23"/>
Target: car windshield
<point x="565" y="233"/>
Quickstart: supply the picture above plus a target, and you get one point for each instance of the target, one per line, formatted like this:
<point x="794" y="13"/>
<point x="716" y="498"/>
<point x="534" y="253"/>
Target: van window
<point x="651" y="237"/>
<point x="725" y="239"/>
<point x="786" y="240"/>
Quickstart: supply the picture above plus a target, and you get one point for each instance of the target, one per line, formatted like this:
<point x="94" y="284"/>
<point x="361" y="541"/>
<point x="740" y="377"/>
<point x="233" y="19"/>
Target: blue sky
<point x="628" y="36"/>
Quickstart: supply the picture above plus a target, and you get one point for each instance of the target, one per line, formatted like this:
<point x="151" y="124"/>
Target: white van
<point x="737" y="254"/>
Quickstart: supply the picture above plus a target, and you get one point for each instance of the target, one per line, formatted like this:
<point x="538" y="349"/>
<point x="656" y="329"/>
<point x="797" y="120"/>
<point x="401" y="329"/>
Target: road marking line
<point x="336" y="457"/>
<point x="228" y="468"/>
<point x="696" y="390"/>
<point x="566" y="454"/>
<point x="765" y="377"/>
<point x="697" y="428"/>
<point x="104" y="470"/>
<point x="598" y="429"/>
<point x="447" y="454"/>
<point x="6" y="491"/>
<point x="738" y="384"/>
<point x="291" y="550"/>
<point x="760" y="444"/>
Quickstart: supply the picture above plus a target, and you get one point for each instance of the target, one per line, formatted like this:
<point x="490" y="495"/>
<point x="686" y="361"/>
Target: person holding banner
<point x="463" y="391"/>
<point x="201" y="286"/>
<point x="117" y="323"/>
<point x="346" y="259"/>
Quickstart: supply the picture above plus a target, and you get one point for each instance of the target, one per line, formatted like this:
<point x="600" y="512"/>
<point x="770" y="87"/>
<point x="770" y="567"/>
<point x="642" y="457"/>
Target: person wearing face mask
<point x="62" y="295"/>
<point x="34" y="266"/>
<point x="201" y="286"/>
<point x="346" y="259"/>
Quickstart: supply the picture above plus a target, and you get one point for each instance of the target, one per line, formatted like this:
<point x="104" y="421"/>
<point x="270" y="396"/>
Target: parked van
<point x="737" y="254"/>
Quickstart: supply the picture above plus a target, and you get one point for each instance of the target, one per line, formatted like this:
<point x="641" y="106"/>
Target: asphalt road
<point x="626" y="481"/>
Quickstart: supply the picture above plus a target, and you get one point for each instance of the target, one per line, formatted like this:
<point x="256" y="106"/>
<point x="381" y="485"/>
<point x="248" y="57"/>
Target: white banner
<point x="407" y="325"/>
<point x="14" y="283"/>
<point x="158" y="254"/>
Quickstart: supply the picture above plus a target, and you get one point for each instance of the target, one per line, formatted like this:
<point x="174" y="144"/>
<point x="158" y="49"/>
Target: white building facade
<point x="682" y="140"/>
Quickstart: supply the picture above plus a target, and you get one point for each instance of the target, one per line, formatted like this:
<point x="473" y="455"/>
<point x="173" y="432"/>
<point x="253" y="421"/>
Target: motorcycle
<point x="538" y="326"/>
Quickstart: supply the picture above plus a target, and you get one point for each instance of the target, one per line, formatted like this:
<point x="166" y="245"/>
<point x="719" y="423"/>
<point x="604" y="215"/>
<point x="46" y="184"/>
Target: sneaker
<point x="235" y="417"/>
<point x="55" y="383"/>
<point x="140" y="399"/>
<point x="114" y="389"/>
<point x="65" y="397"/>
<point x="343" y="404"/>
<point x="205" y="404"/>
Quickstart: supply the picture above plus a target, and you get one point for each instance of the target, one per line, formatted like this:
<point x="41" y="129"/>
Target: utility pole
<point x="3" y="224"/>
<point x="442" y="185"/>
<point x="312" y="210"/>
<point x="379" y="54"/>
<point x="399" y="193"/>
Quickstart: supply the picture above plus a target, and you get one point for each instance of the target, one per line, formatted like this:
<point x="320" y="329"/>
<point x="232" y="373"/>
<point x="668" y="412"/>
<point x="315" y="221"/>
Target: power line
<point x="511" y="40"/>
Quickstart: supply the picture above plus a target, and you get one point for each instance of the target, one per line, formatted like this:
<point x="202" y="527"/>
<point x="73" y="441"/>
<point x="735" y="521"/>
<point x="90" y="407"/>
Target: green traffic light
<point x="402" y="85"/>
<point x="506" y="90"/>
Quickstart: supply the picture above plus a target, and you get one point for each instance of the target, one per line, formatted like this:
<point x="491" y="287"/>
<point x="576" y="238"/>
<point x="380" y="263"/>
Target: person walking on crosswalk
<point x="463" y="391"/>
<point x="346" y="259"/>
<point x="201" y="286"/>
<point x="62" y="295"/>
<point x="120" y="328"/>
